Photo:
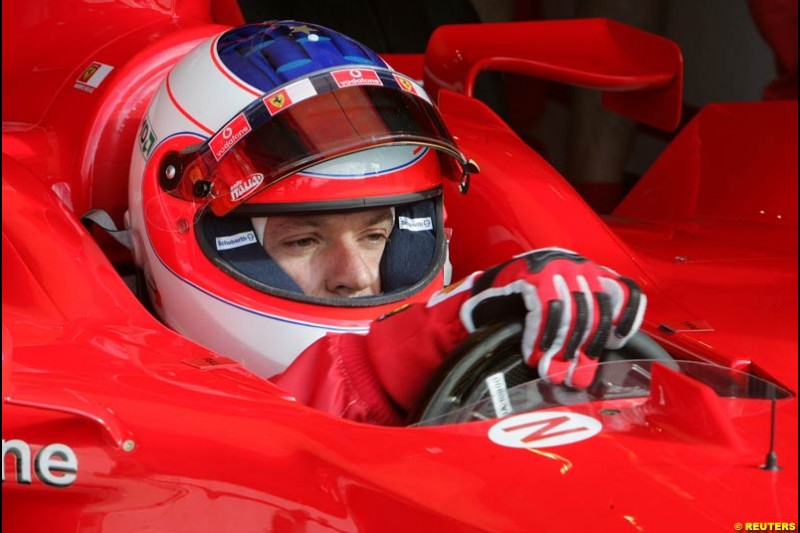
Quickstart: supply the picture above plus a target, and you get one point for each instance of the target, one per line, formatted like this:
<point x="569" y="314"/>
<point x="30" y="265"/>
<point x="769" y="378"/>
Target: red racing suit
<point x="376" y="377"/>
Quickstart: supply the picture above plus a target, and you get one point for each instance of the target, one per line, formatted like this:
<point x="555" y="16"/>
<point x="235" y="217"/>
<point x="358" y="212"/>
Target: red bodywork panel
<point x="714" y="221"/>
<point x="595" y="53"/>
<point x="170" y="436"/>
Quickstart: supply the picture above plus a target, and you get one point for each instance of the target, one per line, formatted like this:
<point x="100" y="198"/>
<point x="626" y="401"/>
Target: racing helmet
<point x="271" y="119"/>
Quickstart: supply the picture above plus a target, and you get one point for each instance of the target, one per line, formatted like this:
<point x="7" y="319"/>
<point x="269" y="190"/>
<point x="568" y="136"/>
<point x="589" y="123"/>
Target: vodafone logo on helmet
<point x="223" y="141"/>
<point x="352" y="77"/>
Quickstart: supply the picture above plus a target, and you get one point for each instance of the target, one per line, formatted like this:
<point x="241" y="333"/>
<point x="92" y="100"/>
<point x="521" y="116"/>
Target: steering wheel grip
<point x="460" y="380"/>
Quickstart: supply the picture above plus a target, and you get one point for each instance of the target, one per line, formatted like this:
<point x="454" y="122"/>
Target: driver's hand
<point x="572" y="308"/>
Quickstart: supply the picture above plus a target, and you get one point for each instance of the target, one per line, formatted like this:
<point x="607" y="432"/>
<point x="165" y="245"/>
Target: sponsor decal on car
<point x="236" y="241"/>
<point x="498" y="390"/>
<point x="352" y="77"/>
<point x="243" y="188"/>
<point x="281" y="99"/>
<point x="544" y="429"/>
<point x="55" y="464"/>
<point x="229" y="136"/>
<point x="92" y="77"/>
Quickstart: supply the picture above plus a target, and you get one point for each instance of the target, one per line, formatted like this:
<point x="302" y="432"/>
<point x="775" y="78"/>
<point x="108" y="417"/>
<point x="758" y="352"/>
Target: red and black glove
<point x="572" y="310"/>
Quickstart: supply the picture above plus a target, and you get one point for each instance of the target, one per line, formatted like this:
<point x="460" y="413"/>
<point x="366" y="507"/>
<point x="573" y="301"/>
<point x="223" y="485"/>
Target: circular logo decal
<point x="544" y="429"/>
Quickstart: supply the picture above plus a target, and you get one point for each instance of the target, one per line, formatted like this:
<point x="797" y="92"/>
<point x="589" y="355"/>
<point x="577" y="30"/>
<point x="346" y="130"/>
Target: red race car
<point x="112" y="421"/>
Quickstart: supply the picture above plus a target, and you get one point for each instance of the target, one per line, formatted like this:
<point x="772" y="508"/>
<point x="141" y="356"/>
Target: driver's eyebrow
<point x="320" y="221"/>
<point x="298" y="223"/>
<point x="385" y="215"/>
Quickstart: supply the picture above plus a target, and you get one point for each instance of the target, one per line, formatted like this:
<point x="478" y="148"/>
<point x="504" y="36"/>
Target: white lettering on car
<point x="55" y="464"/>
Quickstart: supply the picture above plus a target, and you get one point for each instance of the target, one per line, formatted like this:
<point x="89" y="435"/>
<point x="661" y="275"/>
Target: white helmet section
<point x="228" y="94"/>
<point x="264" y="344"/>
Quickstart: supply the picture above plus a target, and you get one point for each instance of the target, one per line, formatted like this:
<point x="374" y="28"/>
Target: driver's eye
<point x="296" y="244"/>
<point x="376" y="238"/>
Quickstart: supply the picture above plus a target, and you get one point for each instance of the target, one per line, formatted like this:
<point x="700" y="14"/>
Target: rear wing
<point x="640" y="74"/>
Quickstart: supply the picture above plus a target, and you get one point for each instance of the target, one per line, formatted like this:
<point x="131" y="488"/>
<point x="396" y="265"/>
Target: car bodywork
<point x="111" y="421"/>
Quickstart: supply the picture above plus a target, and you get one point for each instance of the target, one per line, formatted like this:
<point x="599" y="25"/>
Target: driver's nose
<point x="350" y="272"/>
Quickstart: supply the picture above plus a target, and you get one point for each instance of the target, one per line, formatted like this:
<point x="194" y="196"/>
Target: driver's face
<point x="331" y="255"/>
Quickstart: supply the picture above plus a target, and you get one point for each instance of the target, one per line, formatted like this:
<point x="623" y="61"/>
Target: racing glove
<point x="572" y="309"/>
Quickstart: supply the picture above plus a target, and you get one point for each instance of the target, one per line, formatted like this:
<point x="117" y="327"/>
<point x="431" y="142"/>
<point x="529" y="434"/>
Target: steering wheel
<point x="461" y="379"/>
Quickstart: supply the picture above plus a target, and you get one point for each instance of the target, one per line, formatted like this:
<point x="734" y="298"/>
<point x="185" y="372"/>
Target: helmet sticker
<point x="411" y="87"/>
<point x="242" y="188"/>
<point x="147" y="139"/>
<point x="236" y="241"/>
<point x="404" y="84"/>
<point x="416" y="224"/>
<point x="229" y="136"/>
<point x="291" y="94"/>
<point x="351" y="77"/>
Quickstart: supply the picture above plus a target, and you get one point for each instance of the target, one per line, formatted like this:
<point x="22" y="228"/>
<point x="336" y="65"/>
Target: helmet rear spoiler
<point x="640" y="74"/>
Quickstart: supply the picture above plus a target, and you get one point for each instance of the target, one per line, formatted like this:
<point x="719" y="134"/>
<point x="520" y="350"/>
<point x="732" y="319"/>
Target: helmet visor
<point x="303" y="124"/>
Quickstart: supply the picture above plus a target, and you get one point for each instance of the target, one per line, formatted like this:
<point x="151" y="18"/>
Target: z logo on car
<point x="544" y="429"/>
